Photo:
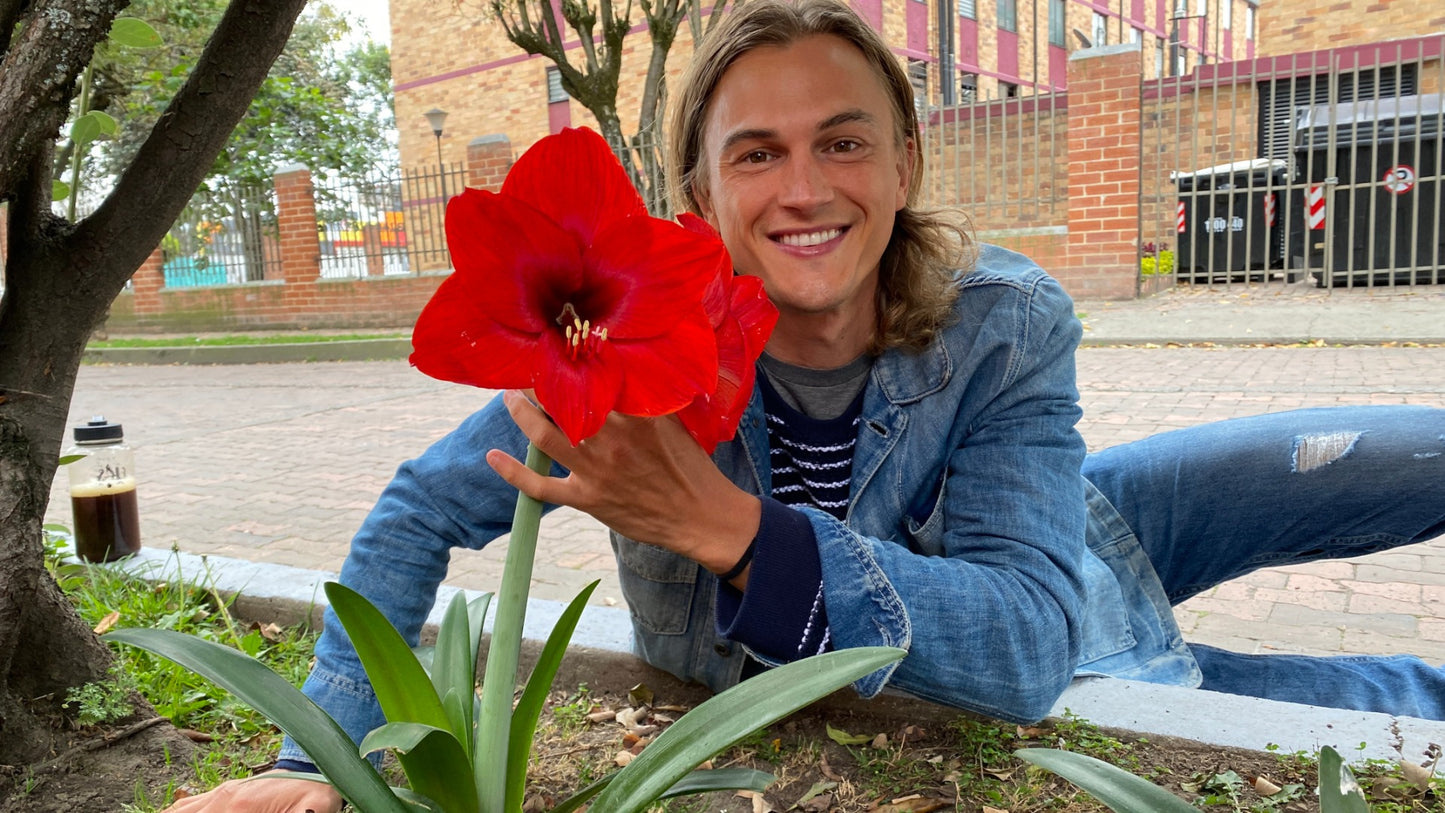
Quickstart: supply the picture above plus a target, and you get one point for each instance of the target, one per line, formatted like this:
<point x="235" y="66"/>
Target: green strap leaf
<point x="529" y="707"/>
<point x="324" y="741"/>
<point x="434" y="762"/>
<point x="1339" y="792"/>
<point x="690" y="785"/>
<point x="401" y="685"/>
<point x="453" y="670"/>
<point x="732" y="715"/>
<point x="134" y="33"/>
<point x="476" y="620"/>
<point x="1122" y="791"/>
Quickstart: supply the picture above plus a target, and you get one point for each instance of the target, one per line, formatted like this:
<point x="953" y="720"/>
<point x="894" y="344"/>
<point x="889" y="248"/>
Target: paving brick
<point x="356" y="421"/>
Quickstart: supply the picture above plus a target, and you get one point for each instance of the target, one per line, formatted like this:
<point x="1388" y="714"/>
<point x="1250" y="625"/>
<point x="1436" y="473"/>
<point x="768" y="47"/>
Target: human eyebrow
<point x="739" y="136"/>
<point x="847" y="117"/>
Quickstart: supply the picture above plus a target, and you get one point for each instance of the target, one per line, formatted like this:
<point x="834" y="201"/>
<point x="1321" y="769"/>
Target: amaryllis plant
<point x="564" y="285"/>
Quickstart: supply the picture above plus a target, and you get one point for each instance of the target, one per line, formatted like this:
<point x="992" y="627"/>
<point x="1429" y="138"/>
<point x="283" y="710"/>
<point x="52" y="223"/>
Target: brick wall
<point x="299" y="297"/>
<point x="1313" y="25"/>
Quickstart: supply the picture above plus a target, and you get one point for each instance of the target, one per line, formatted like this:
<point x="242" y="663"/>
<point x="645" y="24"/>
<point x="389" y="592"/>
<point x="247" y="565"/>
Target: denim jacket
<point x="971" y="540"/>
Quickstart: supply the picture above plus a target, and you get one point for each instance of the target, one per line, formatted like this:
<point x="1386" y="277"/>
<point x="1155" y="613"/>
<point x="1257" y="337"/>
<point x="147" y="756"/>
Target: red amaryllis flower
<point x="742" y="318"/>
<point x="563" y="284"/>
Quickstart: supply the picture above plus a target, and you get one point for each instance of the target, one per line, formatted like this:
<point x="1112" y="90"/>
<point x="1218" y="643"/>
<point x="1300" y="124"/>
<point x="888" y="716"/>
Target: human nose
<point x="805" y="184"/>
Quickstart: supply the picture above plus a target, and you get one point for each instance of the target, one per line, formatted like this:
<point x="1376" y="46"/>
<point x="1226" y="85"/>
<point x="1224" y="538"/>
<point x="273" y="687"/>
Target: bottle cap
<point x="98" y="430"/>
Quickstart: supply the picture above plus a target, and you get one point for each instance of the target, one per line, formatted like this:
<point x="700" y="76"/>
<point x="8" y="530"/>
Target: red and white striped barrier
<point x="1179" y="217"/>
<point x="1315" y="207"/>
<point x="1269" y="202"/>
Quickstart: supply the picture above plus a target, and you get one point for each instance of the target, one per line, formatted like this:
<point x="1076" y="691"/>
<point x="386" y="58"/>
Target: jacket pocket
<point x="657" y="584"/>
<point x="926" y="537"/>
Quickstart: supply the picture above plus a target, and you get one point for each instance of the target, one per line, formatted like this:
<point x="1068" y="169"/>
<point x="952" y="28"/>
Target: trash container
<point x="1228" y="219"/>
<point x="1380" y="200"/>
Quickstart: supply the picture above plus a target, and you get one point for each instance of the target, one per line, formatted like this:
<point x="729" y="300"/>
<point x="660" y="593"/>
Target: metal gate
<point x="1322" y="167"/>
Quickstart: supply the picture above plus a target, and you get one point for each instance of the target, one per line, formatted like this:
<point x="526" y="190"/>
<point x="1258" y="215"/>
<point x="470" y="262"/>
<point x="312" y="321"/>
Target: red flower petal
<point x="454" y="341"/>
<point x="578" y="393"/>
<point x="664" y="374"/>
<point x="574" y="178"/>
<point x="647" y="272"/>
<point x="713" y="418"/>
<point x="715" y="298"/>
<point x="518" y="264"/>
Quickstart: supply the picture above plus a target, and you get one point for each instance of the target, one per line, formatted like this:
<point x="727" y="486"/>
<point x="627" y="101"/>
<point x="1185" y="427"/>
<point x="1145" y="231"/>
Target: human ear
<point x="907" y="163"/>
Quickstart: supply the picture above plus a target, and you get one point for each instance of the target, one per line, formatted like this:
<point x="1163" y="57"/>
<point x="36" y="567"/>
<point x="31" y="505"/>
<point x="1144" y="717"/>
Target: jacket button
<point x="722" y="649"/>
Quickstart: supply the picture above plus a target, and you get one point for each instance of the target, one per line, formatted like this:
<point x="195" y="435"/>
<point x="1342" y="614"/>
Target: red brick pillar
<point x="146" y="284"/>
<point x="1104" y="158"/>
<point x="488" y="159"/>
<point x="296" y="224"/>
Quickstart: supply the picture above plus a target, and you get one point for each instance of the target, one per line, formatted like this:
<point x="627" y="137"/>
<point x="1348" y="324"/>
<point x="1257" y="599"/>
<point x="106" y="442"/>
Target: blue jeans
<point x="1217" y="501"/>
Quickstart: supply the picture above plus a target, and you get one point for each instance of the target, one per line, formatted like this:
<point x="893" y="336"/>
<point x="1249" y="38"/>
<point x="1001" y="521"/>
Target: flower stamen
<point x="582" y="338"/>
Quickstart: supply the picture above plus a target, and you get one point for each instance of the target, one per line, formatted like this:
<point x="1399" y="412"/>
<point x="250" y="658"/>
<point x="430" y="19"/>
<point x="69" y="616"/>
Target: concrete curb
<point x="357" y="350"/>
<point x="601" y="652"/>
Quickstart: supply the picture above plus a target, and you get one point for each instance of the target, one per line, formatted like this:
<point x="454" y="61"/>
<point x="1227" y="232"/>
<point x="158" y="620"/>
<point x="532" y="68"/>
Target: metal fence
<point x="1322" y="167"/>
<point x="1003" y="160"/>
<point x="226" y="235"/>
<point x="386" y="223"/>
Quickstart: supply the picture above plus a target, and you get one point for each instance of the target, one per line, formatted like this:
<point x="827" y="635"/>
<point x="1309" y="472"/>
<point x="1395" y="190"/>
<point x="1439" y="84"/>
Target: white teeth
<point x="809" y="239"/>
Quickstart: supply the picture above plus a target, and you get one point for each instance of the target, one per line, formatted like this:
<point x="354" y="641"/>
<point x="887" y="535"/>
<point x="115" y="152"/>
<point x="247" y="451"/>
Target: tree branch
<point x="38" y="72"/>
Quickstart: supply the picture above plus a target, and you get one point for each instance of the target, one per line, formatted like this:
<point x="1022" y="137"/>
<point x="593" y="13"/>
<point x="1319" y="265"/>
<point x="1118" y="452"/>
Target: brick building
<point x="453" y="57"/>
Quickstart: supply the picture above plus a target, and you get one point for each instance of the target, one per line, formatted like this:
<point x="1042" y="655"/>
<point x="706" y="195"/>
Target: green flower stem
<point x="502" y="655"/>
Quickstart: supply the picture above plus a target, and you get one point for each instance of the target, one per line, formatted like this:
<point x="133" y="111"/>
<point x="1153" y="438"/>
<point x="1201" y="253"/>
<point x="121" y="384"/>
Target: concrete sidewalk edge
<point x="602" y="650"/>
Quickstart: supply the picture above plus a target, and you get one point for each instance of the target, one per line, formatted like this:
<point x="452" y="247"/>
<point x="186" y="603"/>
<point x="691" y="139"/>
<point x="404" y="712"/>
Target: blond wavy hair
<point x="928" y="250"/>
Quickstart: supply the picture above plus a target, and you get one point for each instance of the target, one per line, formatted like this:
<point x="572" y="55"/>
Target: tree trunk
<point x="61" y="279"/>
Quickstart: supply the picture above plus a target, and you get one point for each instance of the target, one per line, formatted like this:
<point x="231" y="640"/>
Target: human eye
<point x="755" y="157"/>
<point x="845" y="145"/>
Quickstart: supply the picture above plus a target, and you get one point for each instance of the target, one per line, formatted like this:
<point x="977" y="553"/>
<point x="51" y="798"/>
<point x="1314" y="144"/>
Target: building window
<point x="1058" y="22"/>
<point x="1199" y="6"/>
<point x="1101" y="30"/>
<point x="555" y="93"/>
<point x="1008" y="90"/>
<point x="1158" y="56"/>
<point x="1008" y="16"/>
<point x="1226" y="13"/>
<point x="1135" y="35"/>
<point x="968" y="88"/>
<point x="1249" y="21"/>
<point x="968" y="8"/>
<point x="918" y="77"/>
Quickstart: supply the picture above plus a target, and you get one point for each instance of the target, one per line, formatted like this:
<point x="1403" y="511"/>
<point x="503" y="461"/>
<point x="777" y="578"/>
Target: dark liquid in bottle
<point x="107" y="523"/>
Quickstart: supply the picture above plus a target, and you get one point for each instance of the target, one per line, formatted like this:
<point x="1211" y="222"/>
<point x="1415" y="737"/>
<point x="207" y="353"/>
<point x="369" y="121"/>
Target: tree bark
<point x="60" y="280"/>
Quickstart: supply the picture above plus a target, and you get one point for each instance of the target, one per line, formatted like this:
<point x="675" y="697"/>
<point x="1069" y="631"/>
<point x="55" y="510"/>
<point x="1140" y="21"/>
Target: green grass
<point x="244" y="741"/>
<point x="229" y="341"/>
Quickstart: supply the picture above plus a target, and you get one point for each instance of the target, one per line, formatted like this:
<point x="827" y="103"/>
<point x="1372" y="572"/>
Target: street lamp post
<point x="437" y="117"/>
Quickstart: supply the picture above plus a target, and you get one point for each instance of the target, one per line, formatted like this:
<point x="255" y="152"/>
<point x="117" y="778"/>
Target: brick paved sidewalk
<point x="280" y="463"/>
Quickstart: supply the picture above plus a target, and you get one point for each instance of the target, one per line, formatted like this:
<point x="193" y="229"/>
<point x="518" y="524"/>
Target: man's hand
<point x="263" y="795"/>
<point x="645" y="478"/>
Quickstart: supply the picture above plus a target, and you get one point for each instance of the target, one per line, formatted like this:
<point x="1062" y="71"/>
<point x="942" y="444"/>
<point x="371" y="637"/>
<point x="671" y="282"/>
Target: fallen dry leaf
<point x="827" y="770"/>
<point x="623" y="757"/>
<point x="912" y="804"/>
<point x="602" y="716"/>
<point x="1031" y="732"/>
<point x="760" y="804"/>
<point x="987" y="809"/>
<point x="1264" y="787"/>
<point x="1416" y="775"/>
<point x="107" y="623"/>
<point x="195" y="736"/>
<point x="880" y="741"/>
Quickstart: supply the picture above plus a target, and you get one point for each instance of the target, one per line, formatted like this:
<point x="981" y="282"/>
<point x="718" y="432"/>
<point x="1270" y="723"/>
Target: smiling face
<point x="802" y="173"/>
